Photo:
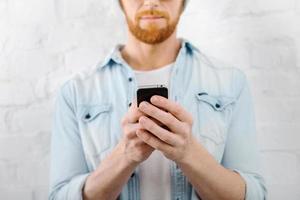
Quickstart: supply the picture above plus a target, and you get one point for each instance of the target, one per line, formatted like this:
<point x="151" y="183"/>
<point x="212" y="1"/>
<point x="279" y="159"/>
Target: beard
<point x="153" y="34"/>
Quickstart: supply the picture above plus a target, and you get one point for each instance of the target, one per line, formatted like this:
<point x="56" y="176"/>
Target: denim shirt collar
<point x="115" y="57"/>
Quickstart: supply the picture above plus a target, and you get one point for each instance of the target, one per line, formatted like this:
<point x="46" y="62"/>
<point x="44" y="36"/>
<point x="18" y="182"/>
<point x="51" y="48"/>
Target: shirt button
<point x="218" y="105"/>
<point x="129" y="104"/>
<point x="88" y="116"/>
<point x="129" y="79"/>
<point x="132" y="175"/>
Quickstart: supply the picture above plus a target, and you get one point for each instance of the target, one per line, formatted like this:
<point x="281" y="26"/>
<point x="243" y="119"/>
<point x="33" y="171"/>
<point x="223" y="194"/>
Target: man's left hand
<point x="175" y="143"/>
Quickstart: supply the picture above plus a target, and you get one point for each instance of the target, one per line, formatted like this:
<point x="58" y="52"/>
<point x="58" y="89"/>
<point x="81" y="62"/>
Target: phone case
<point x="145" y="94"/>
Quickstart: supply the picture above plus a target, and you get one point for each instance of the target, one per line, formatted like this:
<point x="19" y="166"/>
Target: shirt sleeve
<point x="68" y="170"/>
<point x="241" y="153"/>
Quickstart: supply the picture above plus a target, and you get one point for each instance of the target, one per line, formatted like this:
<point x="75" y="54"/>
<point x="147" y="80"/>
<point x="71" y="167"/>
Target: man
<point x="106" y="147"/>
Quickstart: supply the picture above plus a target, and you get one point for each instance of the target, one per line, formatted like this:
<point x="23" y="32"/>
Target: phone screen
<point x="145" y="93"/>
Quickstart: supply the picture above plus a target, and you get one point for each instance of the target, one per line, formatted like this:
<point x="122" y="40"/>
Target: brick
<point x="280" y="167"/>
<point x="54" y="81"/>
<point x="40" y="193"/>
<point x="79" y="59"/>
<point x="3" y="11"/>
<point x="8" y="174"/>
<point x="24" y="119"/>
<point x="72" y="9"/>
<point x="27" y="37"/>
<point x="16" y="193"/>
<point x="31" y="12"/>
<point x="274" y="83"/>
<point x="16" y="147"/>
<point x="284" y="191"/>
<point x="278" y="136"/>
<point x="65" y="36"/>
<point x="61" y="38"/>
<point x="32" y="64"/>
<point x="273" y="53"/>
<point x="257" y="7"/>
<point x="18" y="173"/>
<point x="40" y="88"/>
<point x="3" y="120"/>
<point x="40" y="167"/>
<point x="277" y="110"/>
<point x="15" y="93"/>
<point x="4" y="68"/>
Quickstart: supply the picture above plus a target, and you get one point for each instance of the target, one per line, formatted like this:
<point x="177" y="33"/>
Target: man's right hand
<point x="133" y="148"/>
<point x="107" y="181"/>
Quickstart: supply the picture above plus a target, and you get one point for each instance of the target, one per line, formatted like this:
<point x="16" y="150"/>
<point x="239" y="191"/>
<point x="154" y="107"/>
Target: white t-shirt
<point x="155" y="171"/>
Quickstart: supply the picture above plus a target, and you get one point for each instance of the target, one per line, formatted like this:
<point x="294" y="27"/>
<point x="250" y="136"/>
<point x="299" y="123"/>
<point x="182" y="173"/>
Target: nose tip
<point x="151" y="3"/>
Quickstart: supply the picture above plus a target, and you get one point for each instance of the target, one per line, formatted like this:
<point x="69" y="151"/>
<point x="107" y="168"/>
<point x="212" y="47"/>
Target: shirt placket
<point x="133" y="186"/>
<point x="178" y="180"/>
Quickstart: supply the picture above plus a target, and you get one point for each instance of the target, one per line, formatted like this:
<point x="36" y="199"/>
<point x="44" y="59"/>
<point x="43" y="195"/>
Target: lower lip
<point x="151" y="18"/>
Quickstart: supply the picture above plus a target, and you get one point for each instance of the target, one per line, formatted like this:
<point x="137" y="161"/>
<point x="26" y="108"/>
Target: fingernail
<point x="154" y="98"/>
<point x="144" y="104"/>
<point x="142" y="119"/>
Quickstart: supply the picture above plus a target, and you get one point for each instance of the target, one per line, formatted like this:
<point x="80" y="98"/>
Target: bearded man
<point x="198" y="143"/>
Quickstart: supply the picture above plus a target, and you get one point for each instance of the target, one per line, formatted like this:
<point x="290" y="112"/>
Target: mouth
<point x="151" y="17"/>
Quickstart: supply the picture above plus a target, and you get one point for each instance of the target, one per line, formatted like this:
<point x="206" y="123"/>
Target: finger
<point x="158" y="122"/>
<point x="133" y="113"/>
<point x="154" y="142"/>
<point x="161" y="133"/>
<point x="174" y="108"/>
<point x="154" y="120"/>
<point x="130" y="130"/>
<point x="165" y="117"/>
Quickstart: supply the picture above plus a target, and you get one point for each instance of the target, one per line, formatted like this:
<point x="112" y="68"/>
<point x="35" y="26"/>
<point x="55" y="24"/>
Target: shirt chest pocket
<point x="95" y="128"/>
<point x="214" y="114"/>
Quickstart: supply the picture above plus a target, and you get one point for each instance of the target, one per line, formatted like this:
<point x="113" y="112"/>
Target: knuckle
<point x="151" y="126"/>
<point x="186" y="126"/>
<point x="159" y="147"/>
<point x="129" y="132"/>
<point x="182" y="142"/>
<point x="169" y="154"/>
<point x="168" y="120"/>
<point x="165" y="139"/>
<point x="124" y="121"/>
<point x="140" y="154"/>
<point x="176" y="109"/>
<point x="190" y="120"/>
<point x="170" y="115"/>
<point x="125" y="130"/>
<point x="127" y="135"/>
<point x="136" y="144"/>
<point x="151" y="112"/>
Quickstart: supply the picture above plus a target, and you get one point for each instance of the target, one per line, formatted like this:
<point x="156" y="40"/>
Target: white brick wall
<point x="43" y="42"/>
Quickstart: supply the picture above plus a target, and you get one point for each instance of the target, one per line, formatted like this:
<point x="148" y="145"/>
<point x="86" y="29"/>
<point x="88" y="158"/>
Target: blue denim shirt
<point x="89" y="108"/>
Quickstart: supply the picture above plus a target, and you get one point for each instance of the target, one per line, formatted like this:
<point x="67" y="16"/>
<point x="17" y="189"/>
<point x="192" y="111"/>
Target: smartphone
<point x="146" y="92"/>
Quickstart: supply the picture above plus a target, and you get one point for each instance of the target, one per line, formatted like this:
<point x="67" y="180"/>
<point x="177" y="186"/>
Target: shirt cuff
<point x="76" y="186"/>
<point x="255" y="186"/>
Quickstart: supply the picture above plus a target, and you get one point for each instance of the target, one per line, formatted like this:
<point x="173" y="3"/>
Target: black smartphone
<point x="146" y="92"/>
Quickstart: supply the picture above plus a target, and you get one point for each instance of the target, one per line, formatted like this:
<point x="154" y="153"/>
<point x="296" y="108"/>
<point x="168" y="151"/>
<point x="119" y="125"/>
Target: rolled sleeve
<point x="241" y="151"/>
<point x="255" y="185"/>
<point x="68" y="170"/>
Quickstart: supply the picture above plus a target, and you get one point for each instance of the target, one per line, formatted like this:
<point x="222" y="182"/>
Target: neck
<point x="142" y="56"/>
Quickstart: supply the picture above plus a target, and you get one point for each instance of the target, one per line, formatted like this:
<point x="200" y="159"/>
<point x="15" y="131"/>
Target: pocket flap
<point x="91" y="112"/>
<point x="218" y="103"/>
